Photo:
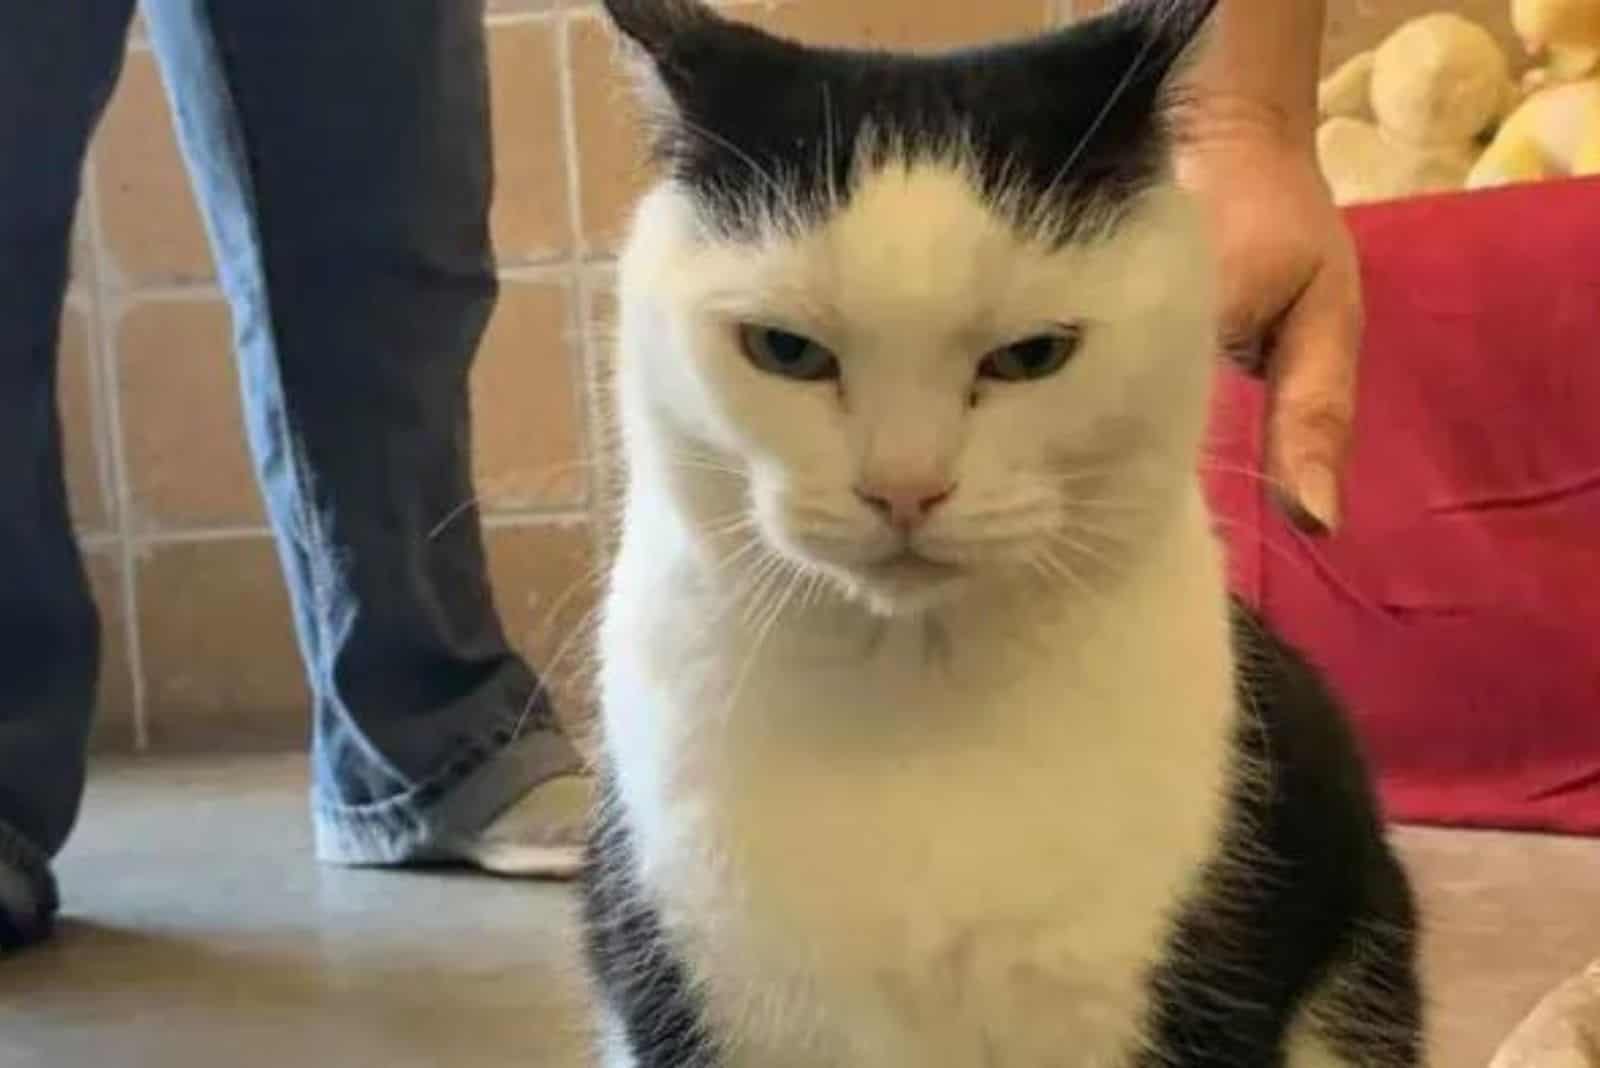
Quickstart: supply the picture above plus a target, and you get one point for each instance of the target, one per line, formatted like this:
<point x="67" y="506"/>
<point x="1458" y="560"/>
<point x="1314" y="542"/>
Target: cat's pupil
<point x="785" y="347"/>
<point x="1035" y="354"/>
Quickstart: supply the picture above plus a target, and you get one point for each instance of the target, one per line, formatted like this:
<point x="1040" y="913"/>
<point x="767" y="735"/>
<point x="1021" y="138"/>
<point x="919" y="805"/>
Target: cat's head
<point x="921" y="322"/>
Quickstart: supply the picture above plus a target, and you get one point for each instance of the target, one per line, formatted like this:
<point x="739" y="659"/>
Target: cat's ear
<point x="667" y="38"/>
<point x="656" y="25"/>
<point x="692" y="67"/>
<point x="1170" y="33"/>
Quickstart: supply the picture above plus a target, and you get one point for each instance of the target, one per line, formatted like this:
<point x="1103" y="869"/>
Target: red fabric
<point x="1458" y="609"/>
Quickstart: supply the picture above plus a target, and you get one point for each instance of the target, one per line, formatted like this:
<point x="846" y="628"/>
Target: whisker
<point x="1246" y="472"/>
<point x="1117" y="92"/>
<point x="451" y="517"/>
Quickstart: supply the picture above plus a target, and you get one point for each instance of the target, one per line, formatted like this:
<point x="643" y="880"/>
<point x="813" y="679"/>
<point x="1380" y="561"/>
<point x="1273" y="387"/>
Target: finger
<point x="1314" y="365"/>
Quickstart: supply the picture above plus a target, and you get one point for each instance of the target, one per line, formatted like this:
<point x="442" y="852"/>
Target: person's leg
<point x="341" y="152"/>
<point x="58" y="63"/>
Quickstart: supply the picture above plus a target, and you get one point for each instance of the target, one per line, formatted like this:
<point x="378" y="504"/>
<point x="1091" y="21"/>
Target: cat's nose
<point x="905" y="504"/>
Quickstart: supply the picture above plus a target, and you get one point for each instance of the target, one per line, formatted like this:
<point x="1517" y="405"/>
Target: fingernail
<point x="1318" y="494"/>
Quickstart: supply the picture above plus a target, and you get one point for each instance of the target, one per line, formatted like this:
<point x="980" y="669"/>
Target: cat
<point x="931" y="737"/>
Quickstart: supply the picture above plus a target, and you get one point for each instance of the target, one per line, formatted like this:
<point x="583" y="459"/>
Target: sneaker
<point x="28" y="898"/>
<point x="540" y="836"/>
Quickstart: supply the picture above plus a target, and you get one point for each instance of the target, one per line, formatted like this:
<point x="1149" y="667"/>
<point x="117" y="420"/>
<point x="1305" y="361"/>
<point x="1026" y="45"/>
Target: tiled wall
<point x="199" y="651"/>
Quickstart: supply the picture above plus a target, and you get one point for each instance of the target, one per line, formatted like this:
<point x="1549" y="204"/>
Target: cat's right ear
<point x="663" y="53"/>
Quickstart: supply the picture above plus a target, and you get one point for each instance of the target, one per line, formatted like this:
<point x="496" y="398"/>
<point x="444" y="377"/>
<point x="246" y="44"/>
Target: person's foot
<point x="540" y="836"/>
<point x="27" y="894"/>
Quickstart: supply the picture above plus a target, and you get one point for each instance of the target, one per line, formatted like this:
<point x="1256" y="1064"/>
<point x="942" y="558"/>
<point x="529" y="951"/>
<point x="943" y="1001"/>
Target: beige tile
<point x="545" y="585"/>
<point x="80" y="424"/>
<point x="531" y="217"/>
<point x="908" y="23"/>
<point x="152" y="230"/>
<point x="188" y="465"/>
<point x="221" y="667"/>
<point x="612" y="168"/>
<point x="114" y="714"/>
<point x="527" y="430"/>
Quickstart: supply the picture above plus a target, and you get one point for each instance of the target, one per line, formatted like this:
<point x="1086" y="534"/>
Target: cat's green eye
<point x="787" y="355"/>
<point x="1031" y="358"/>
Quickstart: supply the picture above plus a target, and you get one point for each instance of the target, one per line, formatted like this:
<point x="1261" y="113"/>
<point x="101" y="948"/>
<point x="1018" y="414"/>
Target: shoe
<point x="28" y="900"/>
<point x="540" y="836"/>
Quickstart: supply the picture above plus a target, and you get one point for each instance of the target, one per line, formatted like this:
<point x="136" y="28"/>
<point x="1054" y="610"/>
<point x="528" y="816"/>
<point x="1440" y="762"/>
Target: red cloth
<point x="1458" y="609"/>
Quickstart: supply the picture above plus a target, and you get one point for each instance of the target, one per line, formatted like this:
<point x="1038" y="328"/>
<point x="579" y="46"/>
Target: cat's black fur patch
<point x="642" y="983"/>
<point x="1063" y="130"/>
<point x="1309" y="900"/>
<point x="1308" y="903"/>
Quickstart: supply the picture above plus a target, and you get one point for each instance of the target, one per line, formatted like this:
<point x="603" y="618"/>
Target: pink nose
<point x="905" y="504"/>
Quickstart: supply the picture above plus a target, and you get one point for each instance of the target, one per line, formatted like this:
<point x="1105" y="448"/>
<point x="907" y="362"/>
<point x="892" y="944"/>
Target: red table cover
<point x="1458" y="609"/>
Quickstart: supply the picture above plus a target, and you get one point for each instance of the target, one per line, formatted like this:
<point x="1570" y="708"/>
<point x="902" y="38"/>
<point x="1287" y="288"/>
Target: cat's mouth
<point x="910" y="566"/>
<point x="907" y="582"/>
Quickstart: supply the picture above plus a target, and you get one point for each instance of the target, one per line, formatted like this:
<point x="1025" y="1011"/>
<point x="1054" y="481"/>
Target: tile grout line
<point x="494" y="19"/>
<point x="106" y="305"/>
<point x="514" y="518"/>
<point x="579" y="302"/>
<point x="81" y="300"/>
<point x="603" y="444"/>
<point x="552" y="270"/>
<point x="537" y="270"/>
<point x="533" y="520"/>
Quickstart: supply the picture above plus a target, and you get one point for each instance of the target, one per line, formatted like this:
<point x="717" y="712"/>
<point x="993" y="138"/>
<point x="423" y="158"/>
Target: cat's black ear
<point x="656" y="25"/>
<point x="1168" y="31"/>
<point x="673" y="45"/>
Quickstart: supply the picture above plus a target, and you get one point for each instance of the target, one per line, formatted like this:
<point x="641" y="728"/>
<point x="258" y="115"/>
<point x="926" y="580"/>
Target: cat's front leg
<point x="615" y="1051"/>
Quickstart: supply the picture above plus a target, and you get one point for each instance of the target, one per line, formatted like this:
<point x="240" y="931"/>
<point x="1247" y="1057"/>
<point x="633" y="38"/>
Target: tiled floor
<point x="200" y="933"/>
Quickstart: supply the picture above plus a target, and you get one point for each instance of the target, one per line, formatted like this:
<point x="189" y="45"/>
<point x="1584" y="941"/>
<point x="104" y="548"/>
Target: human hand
<point x="1291" y="291"/>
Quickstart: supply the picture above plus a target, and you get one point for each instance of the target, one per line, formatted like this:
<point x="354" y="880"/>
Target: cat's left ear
<point x="1171" y="32"/>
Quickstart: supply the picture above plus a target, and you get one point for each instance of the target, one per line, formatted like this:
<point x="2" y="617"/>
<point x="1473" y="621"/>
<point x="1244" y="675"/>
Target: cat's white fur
<point x="920" y="818"/>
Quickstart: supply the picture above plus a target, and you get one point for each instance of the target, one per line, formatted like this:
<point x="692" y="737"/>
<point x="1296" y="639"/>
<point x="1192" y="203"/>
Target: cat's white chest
<point x="908" y="869"/>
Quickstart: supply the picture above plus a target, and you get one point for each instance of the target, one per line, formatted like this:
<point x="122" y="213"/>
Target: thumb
<point x="1313" y="385"/>
<point x="1247" y="314"/>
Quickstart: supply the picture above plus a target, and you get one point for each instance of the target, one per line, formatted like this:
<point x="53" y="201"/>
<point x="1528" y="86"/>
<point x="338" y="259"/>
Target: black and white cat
<point x="932" y="739"/>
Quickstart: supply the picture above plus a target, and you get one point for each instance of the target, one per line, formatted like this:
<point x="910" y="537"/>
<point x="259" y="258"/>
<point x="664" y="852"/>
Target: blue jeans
<point x="341" y="155"/>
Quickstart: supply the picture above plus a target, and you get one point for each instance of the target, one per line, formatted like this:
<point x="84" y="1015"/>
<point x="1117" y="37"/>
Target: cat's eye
<point x="1031" y="358"/>
<point x="786" y="354"/>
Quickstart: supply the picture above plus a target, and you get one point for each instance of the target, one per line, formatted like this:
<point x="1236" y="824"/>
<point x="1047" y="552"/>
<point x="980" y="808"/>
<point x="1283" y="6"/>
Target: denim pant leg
<point x="58" y="63"/>
<point x="341" y="152"/>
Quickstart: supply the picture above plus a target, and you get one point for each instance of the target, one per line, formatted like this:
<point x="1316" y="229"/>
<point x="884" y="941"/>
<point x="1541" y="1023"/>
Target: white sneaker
<point x="538" y="837"/>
